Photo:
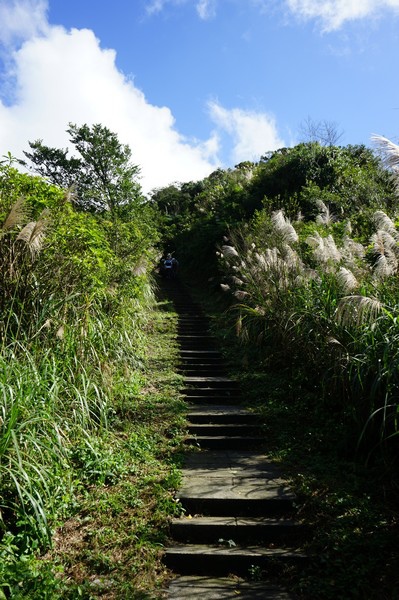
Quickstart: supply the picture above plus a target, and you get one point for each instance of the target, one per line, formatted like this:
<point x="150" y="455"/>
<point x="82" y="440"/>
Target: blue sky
<point x="192" y="85"/>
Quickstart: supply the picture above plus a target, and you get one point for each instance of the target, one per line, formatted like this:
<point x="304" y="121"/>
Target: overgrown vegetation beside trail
<point x="89" y="443"/>
<point x="304" y="270"/>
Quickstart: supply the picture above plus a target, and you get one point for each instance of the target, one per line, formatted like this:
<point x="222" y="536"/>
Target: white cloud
<point x="65" y="76"/>
<point x="22" y="19"/>
<point x="253" y="133"/>
<point x="334" y="13"/>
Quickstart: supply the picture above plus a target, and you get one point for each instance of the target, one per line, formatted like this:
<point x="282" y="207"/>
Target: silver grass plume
<point x="383" y="222"/>
<point x="16" y="216"/>
<point x="356" y="310"/>
<point x="229" y="252"/>
<point x="352" y="250"/>
<point x="240" y="294"/>
<point x="385" y="249"/>
<point x="325" y="217"/>
<point x="283" y="227"/>
<point x="383" y="267"/>
<point x="33" y="234"/>
<point x="390" y="155"/>
<point x="324" y="249"/>
<point x="346" y="280"/>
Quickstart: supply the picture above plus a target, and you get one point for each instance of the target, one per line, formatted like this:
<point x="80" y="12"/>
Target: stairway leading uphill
<point x="238" y="524"/>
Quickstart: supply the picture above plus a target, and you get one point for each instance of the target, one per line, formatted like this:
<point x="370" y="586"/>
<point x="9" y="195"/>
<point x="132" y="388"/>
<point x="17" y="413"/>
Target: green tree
<point x="103" y="175"/>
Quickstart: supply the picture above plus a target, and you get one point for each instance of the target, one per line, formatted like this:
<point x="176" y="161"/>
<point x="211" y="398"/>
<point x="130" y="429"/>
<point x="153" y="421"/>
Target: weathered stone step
<point x="211" y="382"/>
<point x="275" y="505"/>
<point x="211" y="529"/>
<point x="233" y="483"/>
<point x="191" y="587"/>
<point x="213" y="398"/>
<point x="224" y="442"/>
<point x="201" y="360"/>
<point x="221" y="560"/>
<point x="200" y="353"/>
<point x="222" y="413"/>
<point x="198" y="371"/>
<point x="224" y="429"/>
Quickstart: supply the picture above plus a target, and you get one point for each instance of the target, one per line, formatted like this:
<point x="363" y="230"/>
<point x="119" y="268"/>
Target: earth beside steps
<point x="238" y="531"/>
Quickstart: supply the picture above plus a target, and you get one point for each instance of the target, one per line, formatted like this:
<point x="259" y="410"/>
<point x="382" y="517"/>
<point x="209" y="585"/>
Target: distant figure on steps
<point x="169" y="267"/>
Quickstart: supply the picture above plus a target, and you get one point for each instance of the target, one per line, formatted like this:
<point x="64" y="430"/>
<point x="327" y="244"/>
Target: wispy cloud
<point x="333" y="14"/>
<point x="330" y="14"/>
<point x="22" y="19"/>
<point x="206" y="9"/>
<point x="252" y="133"/>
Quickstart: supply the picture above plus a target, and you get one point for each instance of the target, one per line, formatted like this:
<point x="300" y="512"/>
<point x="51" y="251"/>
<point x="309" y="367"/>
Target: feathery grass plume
<point x="352" y="250"/>
<point x="17" y="216"/>
<point x="348" y="228"/>
<point x="236" y="280"/>
<point x="324" y="249"/>
<point x="385" y="250"/>
<point x="384" y="223"/>
<point x="240" y="294"/>
<point x="229" y="251"/>
<point x="283" y="226"/>
<point x="33" y="235"/>
<point x="356" y="310"/>
<point x="383" y="267"/>
<point x="71" y="194"/>
<point x="347" y="280"/>
<point x="325" y="217"/>
<point x="389" y="150"/>
<point x="292" y="258"/>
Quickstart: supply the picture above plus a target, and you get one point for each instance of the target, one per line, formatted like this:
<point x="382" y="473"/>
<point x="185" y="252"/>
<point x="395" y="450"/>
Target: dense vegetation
<point x="299" y="252"/>
<point x="305" y="274"/>
<point x="83" y="434"/>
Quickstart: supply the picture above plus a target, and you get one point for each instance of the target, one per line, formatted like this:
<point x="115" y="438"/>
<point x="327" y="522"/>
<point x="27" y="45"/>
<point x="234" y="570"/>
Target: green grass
<point x="350" y="507"/>
<point x="92" y="474"/>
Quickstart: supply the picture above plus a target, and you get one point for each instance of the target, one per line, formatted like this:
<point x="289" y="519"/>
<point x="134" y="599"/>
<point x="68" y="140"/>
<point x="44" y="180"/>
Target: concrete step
<point x="211" y="382"/>
<point x="214" y="398"/>
<point x="224" y="560"/>
<point x="191" y="587"/>
<point x="224" y="429"/>
<point x="222" y="413"/>
<point x="239" y="529"/>
<point x="198" y="371"/>
<point x="199" y="353"/>
<point x="234" y="483"/>
<point x="224" y="442"/>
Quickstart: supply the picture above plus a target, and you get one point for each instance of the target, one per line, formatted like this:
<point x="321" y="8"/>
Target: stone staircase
<point x="239" y="516"/>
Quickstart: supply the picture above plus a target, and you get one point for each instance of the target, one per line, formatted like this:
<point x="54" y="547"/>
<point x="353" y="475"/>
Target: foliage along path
<point x="239" y="524"/>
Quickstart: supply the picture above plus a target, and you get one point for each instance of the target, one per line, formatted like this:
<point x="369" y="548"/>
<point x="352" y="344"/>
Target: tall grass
<point x="70" y="340"/>
<point x="311" y="295"/>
